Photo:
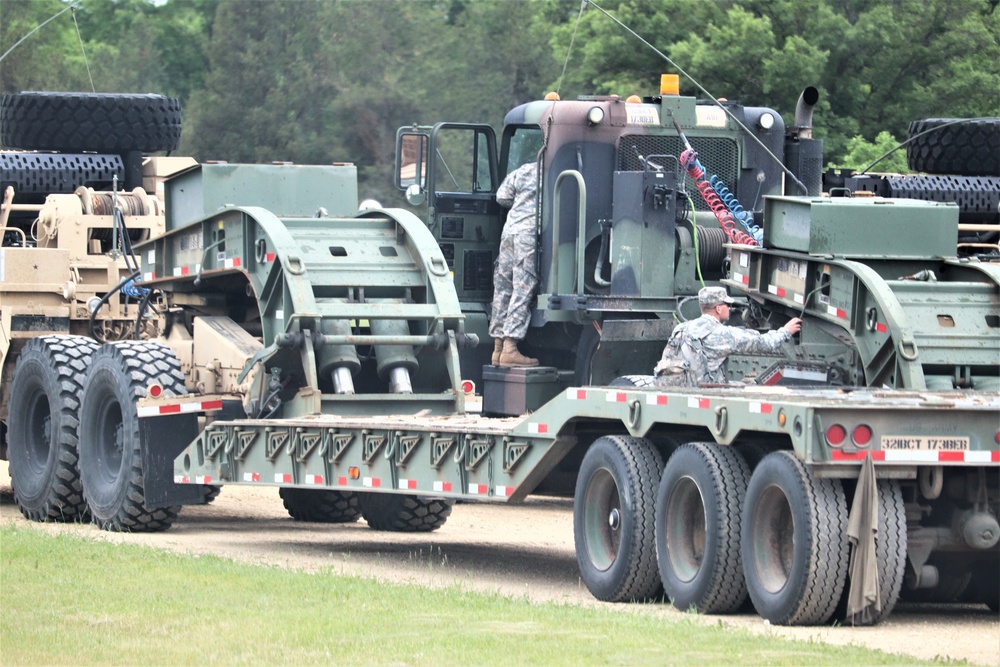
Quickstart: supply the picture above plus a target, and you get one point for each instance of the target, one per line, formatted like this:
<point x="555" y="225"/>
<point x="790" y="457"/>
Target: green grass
<point x="67" y="600"/>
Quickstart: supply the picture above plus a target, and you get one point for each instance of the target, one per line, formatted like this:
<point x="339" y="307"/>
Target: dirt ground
<point x="522" y="551"/>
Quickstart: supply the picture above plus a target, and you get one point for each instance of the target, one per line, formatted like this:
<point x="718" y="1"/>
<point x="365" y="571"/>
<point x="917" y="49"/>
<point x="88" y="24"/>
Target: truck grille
<point x="719" y="156"/>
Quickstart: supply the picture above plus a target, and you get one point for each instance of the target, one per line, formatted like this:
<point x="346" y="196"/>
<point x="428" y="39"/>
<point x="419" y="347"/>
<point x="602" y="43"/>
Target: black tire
<point x="614" y="518"/>
<point x="633" y="381"/>
<point x="969" y="148"/>
<point x="753" y="452"/>
<point x="698" y="511"/>
<point x="211" y="492"/>
<point x="103" y="122"/>
<point x="890" y="554"/>
<point x="321" y="505"/>
<point x="43" y="427"/>
<point x="793" y="541"/>
<point x="110" y="455"/>
<point x="403" y="514"/>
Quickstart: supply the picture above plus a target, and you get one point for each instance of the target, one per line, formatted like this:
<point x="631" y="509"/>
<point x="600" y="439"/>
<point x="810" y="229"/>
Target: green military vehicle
<point x="330" y="352"/>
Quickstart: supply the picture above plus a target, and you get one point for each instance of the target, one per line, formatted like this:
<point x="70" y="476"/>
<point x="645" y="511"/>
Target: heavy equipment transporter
<point x="304" y="344"/>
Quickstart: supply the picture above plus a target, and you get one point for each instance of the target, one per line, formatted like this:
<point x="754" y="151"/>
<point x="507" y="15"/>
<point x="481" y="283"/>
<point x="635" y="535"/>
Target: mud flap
<point x="162" y="439"/>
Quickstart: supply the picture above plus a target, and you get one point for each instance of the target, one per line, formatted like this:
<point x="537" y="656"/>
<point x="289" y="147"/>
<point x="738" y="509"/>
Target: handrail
<point x="581" y="229"/>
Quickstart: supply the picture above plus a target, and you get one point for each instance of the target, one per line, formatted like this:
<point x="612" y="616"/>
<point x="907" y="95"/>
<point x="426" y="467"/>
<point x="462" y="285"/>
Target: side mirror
<point x="415" y="195"/>
<point x="411" y="160"/>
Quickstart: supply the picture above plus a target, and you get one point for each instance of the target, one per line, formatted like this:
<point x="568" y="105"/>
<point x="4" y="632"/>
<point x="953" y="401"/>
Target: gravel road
<point x="524" y="551"/>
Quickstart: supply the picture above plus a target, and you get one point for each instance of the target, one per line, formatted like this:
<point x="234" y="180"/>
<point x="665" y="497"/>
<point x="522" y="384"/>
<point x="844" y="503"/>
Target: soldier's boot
<point x="510" y="357"/>
<point x="497" y="350"/>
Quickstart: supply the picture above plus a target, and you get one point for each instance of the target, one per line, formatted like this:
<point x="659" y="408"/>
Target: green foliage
<point x="70" y="600"/>
<point x="331" y="80"/>
<point x="861" y="154"/>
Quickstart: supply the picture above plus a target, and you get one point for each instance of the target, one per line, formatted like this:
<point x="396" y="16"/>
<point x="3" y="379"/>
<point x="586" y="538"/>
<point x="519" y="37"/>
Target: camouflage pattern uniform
<point x="697" y="350"/>
<point x="515" y="274"/>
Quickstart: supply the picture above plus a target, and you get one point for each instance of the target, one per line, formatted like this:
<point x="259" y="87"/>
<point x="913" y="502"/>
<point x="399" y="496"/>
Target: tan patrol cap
<point x="713" y="296"/>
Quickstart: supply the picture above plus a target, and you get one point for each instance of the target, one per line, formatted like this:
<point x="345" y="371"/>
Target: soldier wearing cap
<point x="697" y="350"/>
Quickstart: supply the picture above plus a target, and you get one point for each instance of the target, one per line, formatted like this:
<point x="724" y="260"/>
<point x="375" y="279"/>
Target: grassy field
<point x="66" y="600"/>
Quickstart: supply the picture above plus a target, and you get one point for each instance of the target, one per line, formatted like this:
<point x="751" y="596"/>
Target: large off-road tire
<point x="613" y="518"/>
<point x="890" y="554"/>
<point x="793" y="541"/>
<point x="404" y="514"/>
<point x="969" y="148"/>
<point x="43" y="427"/>
<point x="102" y="122"/>
<point x="633" y="381"/>
<point x="110" y="456"/>
<point x="698" y="511"/>
<point x="321" y="505"/>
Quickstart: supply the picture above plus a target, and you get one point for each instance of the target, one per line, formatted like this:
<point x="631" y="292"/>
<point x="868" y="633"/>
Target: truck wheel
<point x="698" y="510"/>
<point x="403" y="514"/>
<point x="969" y="148"/>
<point x="613" y="518"/>
<point x="110" y="455"/>
<point x="320" y="505"/>
<point x="102" y="122"/>
<point x="793" y="541"/>
<point x="43" y="427"/>
<point x="634" y="381"/>
<point x="890" y="553"/>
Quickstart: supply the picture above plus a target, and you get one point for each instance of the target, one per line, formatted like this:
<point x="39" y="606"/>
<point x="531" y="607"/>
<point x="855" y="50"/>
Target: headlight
<point x="595" y="115"/>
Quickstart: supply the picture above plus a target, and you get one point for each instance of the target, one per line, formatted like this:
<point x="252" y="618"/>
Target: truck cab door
<point x="452" y="169"/>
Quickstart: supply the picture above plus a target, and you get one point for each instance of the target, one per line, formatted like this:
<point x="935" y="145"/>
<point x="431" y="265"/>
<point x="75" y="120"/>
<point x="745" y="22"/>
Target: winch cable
<point x="786" y="170"/>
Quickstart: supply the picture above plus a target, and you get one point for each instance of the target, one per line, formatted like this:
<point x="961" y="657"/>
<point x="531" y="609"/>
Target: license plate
<point x="926" y="443"/>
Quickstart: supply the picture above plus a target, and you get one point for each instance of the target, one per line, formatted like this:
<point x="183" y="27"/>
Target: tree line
<point x="319" y="81"/>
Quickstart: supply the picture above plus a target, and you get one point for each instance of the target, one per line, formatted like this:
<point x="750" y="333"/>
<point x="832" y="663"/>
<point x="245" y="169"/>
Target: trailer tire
<point x="614" y="518"/>
<point x="43" y="423"/>
<point x="101" y="122"/>
<point x="793" y="541"/>
<point x="890" y="548"/>
<point x="111" y="465"/>
<point x="321" y="505"/>
<point x="969" y="148"/>
<point x="698" y="510"/>
<point x="404" y="514"/>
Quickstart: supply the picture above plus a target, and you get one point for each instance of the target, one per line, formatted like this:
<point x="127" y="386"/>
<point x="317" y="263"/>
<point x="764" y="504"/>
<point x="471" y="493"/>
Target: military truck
<point x="328" y="352"/>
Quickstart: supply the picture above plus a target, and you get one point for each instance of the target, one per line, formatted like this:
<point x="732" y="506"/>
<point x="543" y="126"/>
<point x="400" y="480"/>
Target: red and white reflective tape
<point x="200" y="479"/>
<point x="314" y="479"/>
<point x="282" y="478"/>
<point x="759" y="408"/>
<point x="881" y="328"/>
<point x="777" y="291"/>
<point x="918" y="456"/>
<point x="478" y="489"/>
<point x="740" y="278"/>
<point x="269" y="257"/>
<point x="341" y="481"/>
<point x="407" y="484"/>
<point x="181" y="271"/>
<point x="149" y="276"/>
<point x="575" y="394"/>
<point x="251" y="477"/>
<point x="538" y="429"/>
<point x="504" y="491"/>
<point x="232" y="263"/>
<point x="442" y="487"/>
<point x="799" y="299"/>
<point x="371" y="482"/>
<point x="698" y="403"/>
<point x="656" y="399"/>
<point x="836" y="312"/>
<point x="178" y="408"/>
<point x="616" y="397"/>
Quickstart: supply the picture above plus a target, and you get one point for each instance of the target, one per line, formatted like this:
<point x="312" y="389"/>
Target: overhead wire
<point x="705" y="92"/>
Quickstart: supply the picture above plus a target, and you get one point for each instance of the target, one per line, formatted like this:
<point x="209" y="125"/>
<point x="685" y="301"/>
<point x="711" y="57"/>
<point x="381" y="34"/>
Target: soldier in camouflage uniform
<point x="515" y="275"/>
<point x="697" y="350"/>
